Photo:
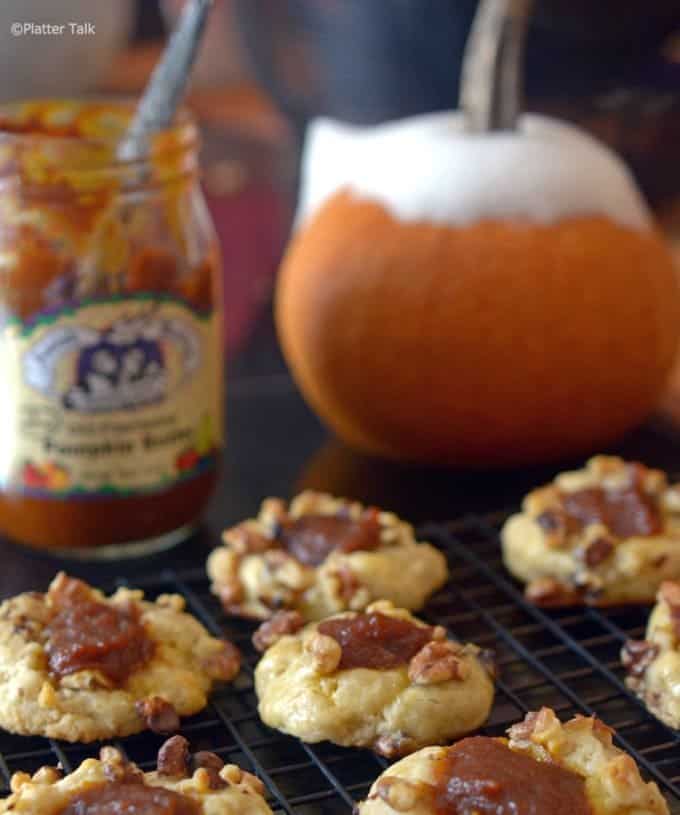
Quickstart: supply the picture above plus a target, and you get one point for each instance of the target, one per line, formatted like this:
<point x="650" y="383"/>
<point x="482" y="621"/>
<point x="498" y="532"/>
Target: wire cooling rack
<point x="567" y="659"/>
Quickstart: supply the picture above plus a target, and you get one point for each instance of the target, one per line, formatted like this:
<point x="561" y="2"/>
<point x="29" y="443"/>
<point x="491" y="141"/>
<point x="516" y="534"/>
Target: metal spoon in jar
<point x="168" y="82"/>
<point x="155" y="110"/>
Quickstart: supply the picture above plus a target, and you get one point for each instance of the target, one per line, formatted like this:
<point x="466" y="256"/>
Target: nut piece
<point x="204" y="758"/>
<point x="522" y="731"/>
<point x="348" y="584"/>
<point x="209" y="778"/>
<point x="175" y="602"/>
<point x="18" y="780"/>
<point x="326" y="653"/>
<point x="212" y="764"/>
<point x="246" y="541"/>
<point x="158" y="714"/>
<point x="437" y="662"/>
<point x="271" y="631"/>
<point x="253" y="782"/>
<point x="48" y="775"/>
<point x="598" y="551"/>
<point x="273" y="514"/>
<point x="398" y="793"/>
<point x="542" y="729"/>
<point x="637" y="656"/>
<point x="231" y="592"/>
<point x="111" y="755"/>
<point x="670" y="593"/>
<point x="394" y="746"/>
<point x="65" y="590"/>
<point x="547" y="592"/>
<point x="173" y="758"/>
<point x="233" y="774"/>
<point x="117" y="767"/>
<point x="225" y="664"/>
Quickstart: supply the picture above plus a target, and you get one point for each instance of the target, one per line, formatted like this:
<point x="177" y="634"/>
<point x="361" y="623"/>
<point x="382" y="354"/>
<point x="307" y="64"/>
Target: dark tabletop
<point x="276" y="446"/>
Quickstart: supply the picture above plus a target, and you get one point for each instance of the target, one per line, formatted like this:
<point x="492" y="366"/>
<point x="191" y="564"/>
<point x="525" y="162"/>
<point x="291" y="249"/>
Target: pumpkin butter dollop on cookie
<point x="80" y="666"/>
<point x="182" y="785"/>
<point x="320" y="555"/>
<point x="380" y="679"/>
<point x="603" y="535"/>
<point x="544" y="767"/>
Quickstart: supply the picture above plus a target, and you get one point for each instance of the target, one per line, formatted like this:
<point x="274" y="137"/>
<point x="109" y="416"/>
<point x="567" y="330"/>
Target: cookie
<point x="603" y="535"/>
<point x="321" y="555"/>
<point x="543" y="767"/>
<point x="380" y="679"/>
<point x="182" y="784"/>
<point x="78" y="666"/>
<point x="653" y="664"/>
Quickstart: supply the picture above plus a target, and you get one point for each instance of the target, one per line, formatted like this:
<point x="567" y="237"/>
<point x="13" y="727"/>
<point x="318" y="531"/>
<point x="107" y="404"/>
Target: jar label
<point x="109" y="397"/>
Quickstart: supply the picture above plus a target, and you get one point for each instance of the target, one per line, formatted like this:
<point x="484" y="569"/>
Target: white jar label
<point x="111" y="397"/>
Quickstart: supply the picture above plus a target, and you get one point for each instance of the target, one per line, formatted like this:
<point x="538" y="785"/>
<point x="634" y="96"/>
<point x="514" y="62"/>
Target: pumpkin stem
<point x="491" y="87"/>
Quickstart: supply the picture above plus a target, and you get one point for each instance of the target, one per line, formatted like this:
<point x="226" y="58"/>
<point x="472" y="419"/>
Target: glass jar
<point x="110" y="333"/>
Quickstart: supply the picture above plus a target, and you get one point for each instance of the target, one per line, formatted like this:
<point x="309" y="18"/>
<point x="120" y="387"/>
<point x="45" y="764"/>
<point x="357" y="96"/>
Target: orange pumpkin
<point x="451" y="299"/>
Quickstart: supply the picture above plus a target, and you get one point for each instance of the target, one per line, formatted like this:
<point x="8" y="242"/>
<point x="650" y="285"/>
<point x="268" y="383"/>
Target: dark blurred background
<point x="267" y="66"/>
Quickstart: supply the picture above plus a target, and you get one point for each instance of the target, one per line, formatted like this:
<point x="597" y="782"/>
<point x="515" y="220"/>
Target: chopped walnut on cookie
<point x="370" y="679"/>
<point x="603" y="535"/>
<point x="320" y="555"/>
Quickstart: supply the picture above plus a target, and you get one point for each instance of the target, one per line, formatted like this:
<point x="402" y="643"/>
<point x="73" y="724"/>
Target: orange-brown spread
<point x="626" y="511"/>
<point x="483" y="776"/>
<point x="72" y="199"/>
<point x="375" y="640"/>
<point x="130" y="798"/>
<point x="85" y="634"/>
<point x="311" y="538"/>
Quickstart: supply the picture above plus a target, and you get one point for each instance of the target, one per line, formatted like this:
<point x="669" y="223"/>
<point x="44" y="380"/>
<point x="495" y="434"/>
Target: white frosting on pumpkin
<point x="428" y="168"/>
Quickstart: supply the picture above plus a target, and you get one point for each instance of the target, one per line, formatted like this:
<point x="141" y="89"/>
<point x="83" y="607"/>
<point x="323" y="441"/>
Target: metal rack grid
<point x="567" y="659"/>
